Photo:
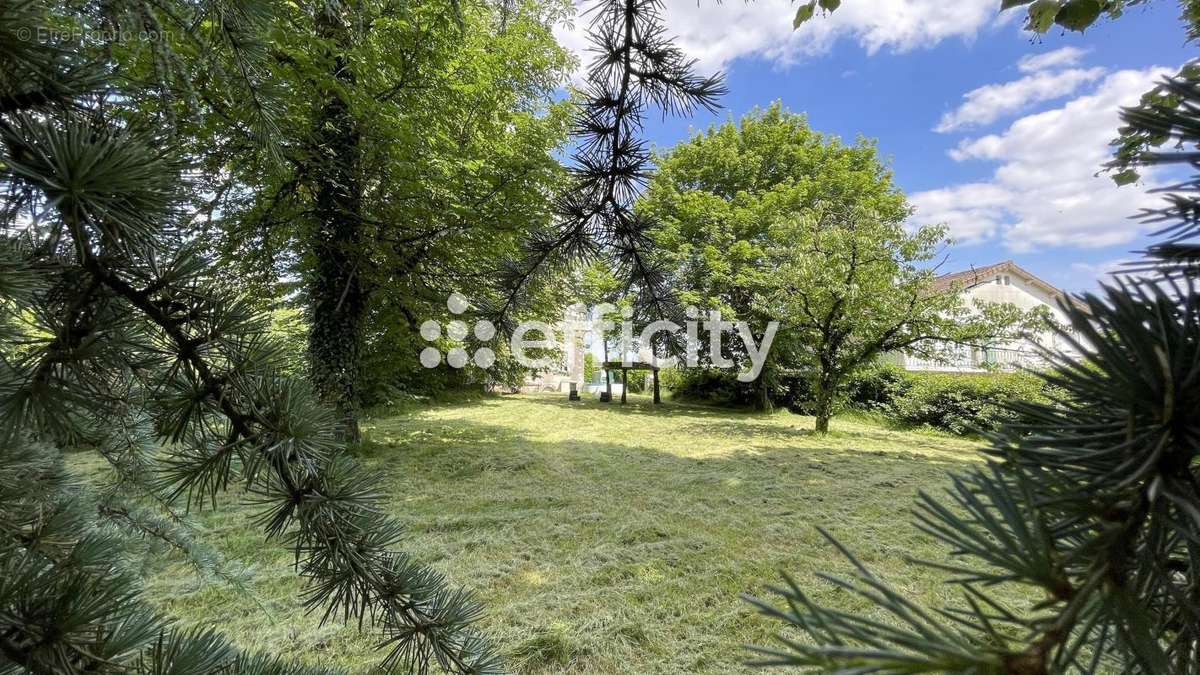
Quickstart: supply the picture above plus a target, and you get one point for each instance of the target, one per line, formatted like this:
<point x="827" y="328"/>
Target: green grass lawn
<point x="603" y="538"/>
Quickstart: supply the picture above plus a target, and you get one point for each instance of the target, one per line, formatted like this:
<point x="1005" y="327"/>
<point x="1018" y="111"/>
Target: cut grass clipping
<point x="600" y="538"/>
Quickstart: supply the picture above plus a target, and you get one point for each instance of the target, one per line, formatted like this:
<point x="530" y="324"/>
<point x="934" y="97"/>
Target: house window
<point x="1007" y="280"/>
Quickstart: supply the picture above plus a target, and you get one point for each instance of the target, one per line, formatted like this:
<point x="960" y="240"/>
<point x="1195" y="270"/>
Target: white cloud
<point x="1089" y="276"/>
<point x="1058" y="58"/>
<point x="974" y="212"/>
<point x="717" y="33"/>
<point x="989" y="103"/>
<point x="1045" y="190"/>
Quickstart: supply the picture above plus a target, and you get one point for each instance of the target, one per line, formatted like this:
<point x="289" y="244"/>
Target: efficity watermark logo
<point x="456" y="330"/>
<point x="579" y="326"/>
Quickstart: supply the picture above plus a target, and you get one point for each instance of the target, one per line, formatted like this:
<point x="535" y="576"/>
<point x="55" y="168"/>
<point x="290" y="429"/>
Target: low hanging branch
<point x="309" y="492"/>
<point x="636" y="66"/>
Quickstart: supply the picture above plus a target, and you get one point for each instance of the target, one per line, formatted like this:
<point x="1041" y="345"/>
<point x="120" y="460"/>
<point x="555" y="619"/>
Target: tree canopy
<point x="717" y="196"/>
<point x="411" y="149"/>
<point x="849" y="287"/>
<point x="768" y="220"/>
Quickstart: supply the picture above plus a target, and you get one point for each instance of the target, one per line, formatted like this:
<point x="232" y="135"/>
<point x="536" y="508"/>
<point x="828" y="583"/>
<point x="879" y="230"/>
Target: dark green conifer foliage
<point x="118" y="337"/>
<point x="1092" y="507"/>
<point x="635" y="68"/>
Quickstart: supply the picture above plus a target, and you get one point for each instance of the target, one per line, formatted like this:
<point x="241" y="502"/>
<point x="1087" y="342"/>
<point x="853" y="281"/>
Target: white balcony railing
<point x="974" y="360"/>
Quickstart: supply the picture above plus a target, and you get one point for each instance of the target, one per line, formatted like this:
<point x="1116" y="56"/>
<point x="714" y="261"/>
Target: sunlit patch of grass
<point x="604" y="538"/>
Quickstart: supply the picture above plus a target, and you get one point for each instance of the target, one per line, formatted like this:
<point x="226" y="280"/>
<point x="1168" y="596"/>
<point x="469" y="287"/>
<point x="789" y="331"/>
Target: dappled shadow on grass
<point x="491" y="476"/>
<point x="713" y="420"/>
<point x="745" y="429"/>
<point x="576" y="544"/>
<point x="602" y="539"/>
<point x="749" y="425"/>
<point x="483" y="449"/>
<point x="423" y="435"/>
<point x="846" y="428"/>
<point x="638" y="404"/>
<point x="463" y="471"/>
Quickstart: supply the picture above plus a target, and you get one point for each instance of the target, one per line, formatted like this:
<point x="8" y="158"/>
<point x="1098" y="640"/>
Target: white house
<point x="998" y="283"/>
<point x="575" y="341"/>
<point x="568" y="367"/>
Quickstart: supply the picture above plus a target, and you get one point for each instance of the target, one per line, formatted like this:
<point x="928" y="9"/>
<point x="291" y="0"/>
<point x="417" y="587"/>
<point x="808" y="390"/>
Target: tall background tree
<point x="1090" y="509"/>
<point x="718" y="194"/>
<point x="413" y="149"/>
<point x="849" y="287"/>
<point x="768" y="220"/>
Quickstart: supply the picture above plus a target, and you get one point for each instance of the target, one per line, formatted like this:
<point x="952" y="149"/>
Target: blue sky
<point x="959" y="99"/>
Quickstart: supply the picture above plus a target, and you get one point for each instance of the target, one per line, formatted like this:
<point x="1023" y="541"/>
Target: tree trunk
<point x="826" y="390"/>
<point x="762" y="393"/>
<point x="336" y="293"/>
<point x="824" y="413"/>
<point x="607" y="374"/>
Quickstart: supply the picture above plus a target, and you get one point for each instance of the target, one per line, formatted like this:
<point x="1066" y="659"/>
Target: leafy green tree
<point x="411" y="150"/>
<point x="1090" y="510"/>
<point x="768" y="219"/>
<point x="718" y="194"/>
<point x="848" y="287"/>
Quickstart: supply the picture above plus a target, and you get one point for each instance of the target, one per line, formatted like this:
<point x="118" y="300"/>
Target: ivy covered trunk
<point x="337" y="297"/>
<point x="762" y="392"/>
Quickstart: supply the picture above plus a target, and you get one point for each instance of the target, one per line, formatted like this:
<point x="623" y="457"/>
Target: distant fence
<point x="974" y="360"/>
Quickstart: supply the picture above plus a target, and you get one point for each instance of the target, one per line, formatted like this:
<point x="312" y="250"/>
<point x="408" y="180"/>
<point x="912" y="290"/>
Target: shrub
<point x="877" y="387"/>
<point x="795" y="393"/>
<point x="708" y="385"/>
<point x="963" y="402"/>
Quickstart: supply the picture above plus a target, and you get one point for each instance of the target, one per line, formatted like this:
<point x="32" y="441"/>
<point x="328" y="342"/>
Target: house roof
<point x="981" y="275"/>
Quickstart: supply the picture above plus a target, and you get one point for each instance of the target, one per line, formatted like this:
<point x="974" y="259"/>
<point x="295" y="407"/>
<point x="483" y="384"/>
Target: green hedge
<point x="707" y="385"/>
<point x="960" y="403"/>
<point x="876" y="388"/>
<point x="963" y="402"/>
